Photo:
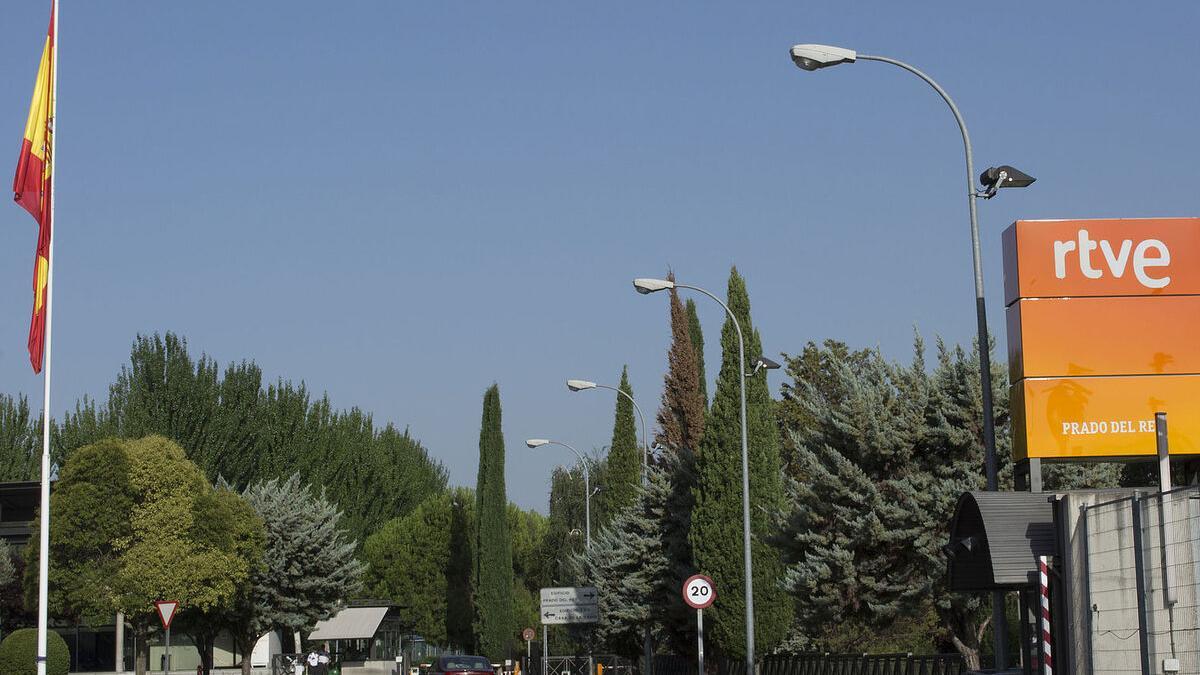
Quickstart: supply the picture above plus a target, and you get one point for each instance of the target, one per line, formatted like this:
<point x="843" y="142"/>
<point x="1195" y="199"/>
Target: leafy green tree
<point x="407" y="563"/>
<point x="224" y="521"/>
<point x="20" y="440"/>
<point x="697" y="335"/>
<point x="716" y="532"/>
<point x="236" y="429"/>
<point x="494" y="563"/>
<point x="624" y="463"/>
<point x="137" y="524"/>
<point x="460" y="568"/>
<point x="309" y="565"/>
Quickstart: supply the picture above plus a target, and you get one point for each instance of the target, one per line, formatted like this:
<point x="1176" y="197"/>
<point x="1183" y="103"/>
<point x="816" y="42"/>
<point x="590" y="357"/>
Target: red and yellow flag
<point x="31" y="188"/>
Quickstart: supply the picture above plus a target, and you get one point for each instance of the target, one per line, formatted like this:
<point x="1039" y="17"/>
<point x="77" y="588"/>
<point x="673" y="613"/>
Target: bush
<point x="18" y="652"/>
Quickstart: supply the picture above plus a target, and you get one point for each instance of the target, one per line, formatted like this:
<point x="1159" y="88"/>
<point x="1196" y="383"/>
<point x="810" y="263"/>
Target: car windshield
<point x="465" y="663"/>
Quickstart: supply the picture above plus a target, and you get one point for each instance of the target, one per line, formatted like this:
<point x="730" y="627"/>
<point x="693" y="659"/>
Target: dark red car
<point x="462" y="665"/>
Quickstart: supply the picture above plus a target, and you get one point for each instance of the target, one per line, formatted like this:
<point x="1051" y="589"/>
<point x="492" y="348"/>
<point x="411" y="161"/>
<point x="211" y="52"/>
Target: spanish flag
<point x="31" y="188"/>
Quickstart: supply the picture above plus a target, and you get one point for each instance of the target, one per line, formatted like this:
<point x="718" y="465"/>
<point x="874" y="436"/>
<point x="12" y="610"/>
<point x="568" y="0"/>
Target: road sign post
<point x="527" y="635"/>
<point x="699" y="592"/>
<point x="166" y="612"/>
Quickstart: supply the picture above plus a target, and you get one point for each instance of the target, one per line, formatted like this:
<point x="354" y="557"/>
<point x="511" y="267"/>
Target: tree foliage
<point x="234" y="427"/>
<point x="717" y="517"/>
<point x="137" y="522"/>
<point x="407" y="564"/>
<point x="624" y="462"/>
<point x="629" y="566"/>
<point x="494" y="623"/>
<point x="681" y="413"/>
<point x="18" y="653"/>
<point x="20" y="440"/>
<point x="308" y="568"/>
<point x="697" y="335"/>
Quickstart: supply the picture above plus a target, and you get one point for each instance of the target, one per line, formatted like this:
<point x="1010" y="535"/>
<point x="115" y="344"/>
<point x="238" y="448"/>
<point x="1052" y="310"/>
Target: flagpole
<point x="44" y="525"/>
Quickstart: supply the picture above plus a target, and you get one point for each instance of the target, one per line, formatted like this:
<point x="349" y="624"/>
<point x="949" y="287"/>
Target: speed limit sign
<point x="699" y="592"/>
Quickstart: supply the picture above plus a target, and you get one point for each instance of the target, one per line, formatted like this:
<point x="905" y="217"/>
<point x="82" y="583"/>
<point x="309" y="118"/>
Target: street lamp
<point x="581" y="385"/>
<point x="647" y="286"/>
<point x="587" y="484"/>
<point x="814" y="57"/>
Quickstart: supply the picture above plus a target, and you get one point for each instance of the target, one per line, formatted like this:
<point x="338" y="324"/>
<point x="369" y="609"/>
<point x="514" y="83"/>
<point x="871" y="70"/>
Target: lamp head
<point x="815" y="57"/>
<point x="647" y="286"/>
<point x="1003" y="176"/>
<point x="537" y="442"/>
<point x="580" y="385"/>
<point x="763" y="363"/>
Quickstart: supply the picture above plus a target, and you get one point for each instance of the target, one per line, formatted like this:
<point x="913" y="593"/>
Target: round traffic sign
<point x="528" y="634"/>
<point x="699" y="591"/>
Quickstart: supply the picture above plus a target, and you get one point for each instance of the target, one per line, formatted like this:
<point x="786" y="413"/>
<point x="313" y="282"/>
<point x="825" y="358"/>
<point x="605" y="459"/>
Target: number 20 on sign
<point x="699" y="592"/>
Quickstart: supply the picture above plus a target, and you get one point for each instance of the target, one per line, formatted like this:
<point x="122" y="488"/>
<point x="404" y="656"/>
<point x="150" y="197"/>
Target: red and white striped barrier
<point x="1044" y="588"/>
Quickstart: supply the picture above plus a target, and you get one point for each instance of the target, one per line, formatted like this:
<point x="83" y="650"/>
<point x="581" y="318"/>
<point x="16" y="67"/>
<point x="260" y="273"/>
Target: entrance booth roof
<point x="350" y="623"/>
<point x="996" y="538"/>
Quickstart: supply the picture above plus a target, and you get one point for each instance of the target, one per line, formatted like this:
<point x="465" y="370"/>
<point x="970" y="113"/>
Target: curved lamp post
<point x="814" y="57"/>
<point x="587" y="485"/>
<point x="581" y="385"/>
<point x="647" y="286"/>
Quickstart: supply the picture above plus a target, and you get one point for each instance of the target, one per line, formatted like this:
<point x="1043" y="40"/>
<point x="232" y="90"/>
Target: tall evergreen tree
<point x="681" y="414"/>
<point x="716" y="532"/>
<point x="494" y="625"/>
<point x="681" y="431"/>
<point x="698" y="347"/>
<point x="624" y="464"/>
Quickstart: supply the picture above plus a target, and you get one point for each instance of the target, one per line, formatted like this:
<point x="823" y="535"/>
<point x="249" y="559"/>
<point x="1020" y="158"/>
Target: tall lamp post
<point x="581" y="385"/>
<point x="814" y="57"/>
<point x="587" y="485"/>
<point x="646" y="286"/>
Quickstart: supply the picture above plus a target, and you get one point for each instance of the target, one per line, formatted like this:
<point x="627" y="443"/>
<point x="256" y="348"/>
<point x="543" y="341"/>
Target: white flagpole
<point x="44" y="526"/>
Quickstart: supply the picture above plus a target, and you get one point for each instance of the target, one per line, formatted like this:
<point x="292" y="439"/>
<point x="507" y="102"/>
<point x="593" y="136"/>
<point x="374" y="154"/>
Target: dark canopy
<point x="996" y="538"/>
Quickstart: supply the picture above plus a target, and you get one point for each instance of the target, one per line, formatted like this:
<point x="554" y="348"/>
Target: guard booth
<point x="1123" y="574"/>
<point x="996" y="542"/>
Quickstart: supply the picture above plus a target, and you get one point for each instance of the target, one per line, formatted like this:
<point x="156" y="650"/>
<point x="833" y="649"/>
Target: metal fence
<point x="822" y="664"/>
<point x="1142" y="583"/>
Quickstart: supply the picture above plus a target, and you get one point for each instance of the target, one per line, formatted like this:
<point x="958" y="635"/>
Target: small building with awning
<point x="362" y="633"/>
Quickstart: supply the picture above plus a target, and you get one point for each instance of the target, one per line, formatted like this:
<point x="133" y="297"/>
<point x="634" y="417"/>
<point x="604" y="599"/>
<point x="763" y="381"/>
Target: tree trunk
<point x="246" y="647"/>
<point x="141" y="648"/>
<point x="970" y="653"/>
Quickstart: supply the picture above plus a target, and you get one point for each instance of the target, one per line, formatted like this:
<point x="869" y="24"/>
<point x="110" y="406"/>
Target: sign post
<point x="579" y="604"/>
<point x="699" y="592"/>
<point x="166" y="612"/>
<point x="527" y="635"/>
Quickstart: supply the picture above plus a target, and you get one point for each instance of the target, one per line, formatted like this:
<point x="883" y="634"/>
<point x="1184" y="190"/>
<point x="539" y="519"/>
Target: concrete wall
<point x="1100" y="583"/>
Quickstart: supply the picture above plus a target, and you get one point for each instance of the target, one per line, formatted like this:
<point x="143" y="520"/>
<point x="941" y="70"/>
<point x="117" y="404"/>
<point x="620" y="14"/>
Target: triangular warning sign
<point x="166" y="611"/>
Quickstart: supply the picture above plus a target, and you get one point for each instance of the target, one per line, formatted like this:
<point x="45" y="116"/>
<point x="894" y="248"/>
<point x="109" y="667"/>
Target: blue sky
<point x="403" y="202"/>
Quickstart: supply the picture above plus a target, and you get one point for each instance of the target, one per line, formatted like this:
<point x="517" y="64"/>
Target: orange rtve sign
<point x="1090" y="258"/>
<point x="1103" y="331"/>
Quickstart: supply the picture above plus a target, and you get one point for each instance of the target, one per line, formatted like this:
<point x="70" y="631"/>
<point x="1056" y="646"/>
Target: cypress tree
<point x="624" y="454"/>
<point x="681" y="415"/>
<point x="493" y="551"/>
<point x="716" y="532"/>
<point x="697" y="347"/>
<point x="681" y="430"/>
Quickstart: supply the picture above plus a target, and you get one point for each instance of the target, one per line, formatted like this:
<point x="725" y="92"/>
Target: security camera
<point x="814" y="57"/>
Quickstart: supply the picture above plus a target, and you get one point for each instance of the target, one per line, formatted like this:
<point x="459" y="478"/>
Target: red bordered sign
<point x="699" y="592"/>
<point x="166" y="611"/>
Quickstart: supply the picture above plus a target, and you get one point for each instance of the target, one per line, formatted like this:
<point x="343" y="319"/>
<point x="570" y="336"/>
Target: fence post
<point x="1087" y="588"/>
<point x="1140" y="572"/>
